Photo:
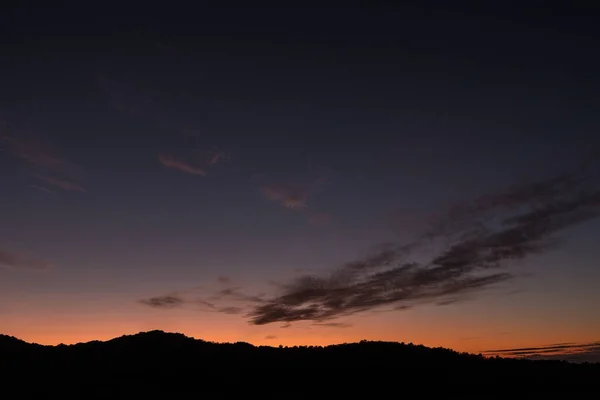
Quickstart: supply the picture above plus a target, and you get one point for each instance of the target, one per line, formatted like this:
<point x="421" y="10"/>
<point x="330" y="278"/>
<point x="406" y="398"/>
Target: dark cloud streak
<point x="472" y="247"/>
<point x="333" y="324"/>
<point x="573" y="352"/>
<point x="485" y="236"/>
<point x="168" y="301"/>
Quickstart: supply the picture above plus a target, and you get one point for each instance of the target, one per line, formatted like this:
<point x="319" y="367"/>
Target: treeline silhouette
<point x="156" y="363"/>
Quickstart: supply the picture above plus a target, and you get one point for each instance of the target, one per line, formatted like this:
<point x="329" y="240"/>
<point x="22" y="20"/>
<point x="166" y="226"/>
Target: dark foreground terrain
<point x="164" y="365"/>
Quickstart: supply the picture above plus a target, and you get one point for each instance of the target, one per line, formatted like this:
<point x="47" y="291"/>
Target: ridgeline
<point x="155" y="363"/>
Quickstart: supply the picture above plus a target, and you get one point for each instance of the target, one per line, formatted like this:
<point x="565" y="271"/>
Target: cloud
<point x="60" y="183"/>
<point x="42" y="189"/>
<point x="462" y="252"/>
<point x="45" y="162"/>
<point x="170" y="161"/>
<point x="234" y="294"/>
<point x="574" y="352"/>
<point x="139" y="103"/>
<point x="231" y="310"/>
<point x="201" y="161"/>
<point x="293" y="195"/>
<point x="481" y="241"/>
<point x="333" y="324"/>
<point x="213" y="156"/>
<point x="168" y="301"/>
<point x="32" y="149"/>
<point x="295" y="200"/>
<point x="235" y="301"/>
<point x="205" y="303"/>
<point x="270" y="337"/>
<point x="18" y="260"/>
<point x="172" y="301"/>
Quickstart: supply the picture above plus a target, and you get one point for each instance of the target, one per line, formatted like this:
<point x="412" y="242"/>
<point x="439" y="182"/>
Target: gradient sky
<point x="154" y="161"/>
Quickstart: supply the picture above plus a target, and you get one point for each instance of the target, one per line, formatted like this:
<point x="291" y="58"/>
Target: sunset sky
<point x="302" y="175"/>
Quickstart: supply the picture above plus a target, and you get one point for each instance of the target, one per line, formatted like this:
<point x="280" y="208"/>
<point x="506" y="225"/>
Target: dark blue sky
<point x="148" y="150"/>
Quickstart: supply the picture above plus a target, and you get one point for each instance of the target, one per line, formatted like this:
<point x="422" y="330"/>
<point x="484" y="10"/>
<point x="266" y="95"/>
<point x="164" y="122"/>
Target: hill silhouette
<point x="155" y="362"/>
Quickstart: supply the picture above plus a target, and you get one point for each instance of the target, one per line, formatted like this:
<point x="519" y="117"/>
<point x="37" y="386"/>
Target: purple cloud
<point x="295" y="200"/>
<point x="170" y="161"/>
<point x="44" y="161"/>
<point x="18" y="260"/>
<point x="293" y="195"/>
<point x="60" y="183"/>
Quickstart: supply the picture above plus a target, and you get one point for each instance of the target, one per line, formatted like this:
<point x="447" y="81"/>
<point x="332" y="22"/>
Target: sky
<point x="303" y="175"/>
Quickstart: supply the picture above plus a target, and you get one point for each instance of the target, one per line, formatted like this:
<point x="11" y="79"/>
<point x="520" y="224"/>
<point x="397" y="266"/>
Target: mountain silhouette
<point x="10" y="344"/>
<point x="155" y="362"/>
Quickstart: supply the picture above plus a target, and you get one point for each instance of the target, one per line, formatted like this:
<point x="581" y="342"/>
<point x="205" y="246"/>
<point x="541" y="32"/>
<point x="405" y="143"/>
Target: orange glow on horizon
<point x="84" y="330"/>
<point x="470" y="327"/>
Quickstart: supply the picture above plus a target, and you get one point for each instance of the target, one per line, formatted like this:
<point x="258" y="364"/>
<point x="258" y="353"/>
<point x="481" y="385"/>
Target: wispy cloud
<point x="234" y="294"/>
<point x="167" y="301"/>
<point x="485" y="236"/>
<point x="61" y="183"/>
<point x="292" y="199"/>
<point x="574" y="352"/>
<point x="226" y="299"/>
<point x="198" y="162"/>
<point x="128" y="99"/>
<point x="231" y="310"/>
<point x="212" y="157"/>
<point x="231" y="300"/>
<point x="42" y="189"/>
<point x="19" y="260"/>
<point x="471" y="247"/>
<point x="333" y="324"/>
<point x="270" y="337"/>
<point x="44" y="161"/>
<point x="294" y="195"/>
<point x="178" y="300"/>
<point x="170" y="161"/>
